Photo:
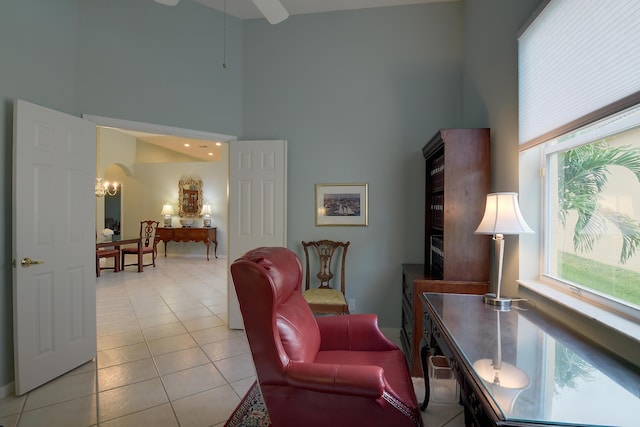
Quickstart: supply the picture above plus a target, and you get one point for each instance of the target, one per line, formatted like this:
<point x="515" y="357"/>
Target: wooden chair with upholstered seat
<point x="326" y="255"/>
<point x="108" y="253"/>
<point x="147" y="234"/>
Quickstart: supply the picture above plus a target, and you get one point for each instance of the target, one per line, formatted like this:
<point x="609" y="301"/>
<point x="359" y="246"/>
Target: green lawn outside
<point x="612" y="280"/>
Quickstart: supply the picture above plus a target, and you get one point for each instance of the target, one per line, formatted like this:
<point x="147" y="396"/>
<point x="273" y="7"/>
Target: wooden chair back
<point x="148" y="232"/>
<point x="328" y="256"/>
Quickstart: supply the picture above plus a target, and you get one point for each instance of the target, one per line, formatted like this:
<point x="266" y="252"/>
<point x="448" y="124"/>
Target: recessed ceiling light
<point x="211" y="154"/>
<point x="187" y="145"/>
<point x="218" y="144"/>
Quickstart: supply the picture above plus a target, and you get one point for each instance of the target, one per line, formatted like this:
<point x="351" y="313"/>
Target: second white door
<point x="257" y="204"/>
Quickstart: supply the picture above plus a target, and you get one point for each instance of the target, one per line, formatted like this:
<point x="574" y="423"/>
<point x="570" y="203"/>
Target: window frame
<point x="543" y="45"/>
<point x="536" y="196"/>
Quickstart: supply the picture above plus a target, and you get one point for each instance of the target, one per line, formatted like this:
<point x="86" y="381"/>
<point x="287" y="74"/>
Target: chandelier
<point x="104" y="188"/>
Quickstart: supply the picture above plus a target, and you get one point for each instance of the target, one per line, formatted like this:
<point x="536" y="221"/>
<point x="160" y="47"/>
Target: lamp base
<point x="501" y="302"/>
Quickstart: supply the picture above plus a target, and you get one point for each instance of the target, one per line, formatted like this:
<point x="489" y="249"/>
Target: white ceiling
<point x="208" y="151"/>
<point x="245" y="9"/>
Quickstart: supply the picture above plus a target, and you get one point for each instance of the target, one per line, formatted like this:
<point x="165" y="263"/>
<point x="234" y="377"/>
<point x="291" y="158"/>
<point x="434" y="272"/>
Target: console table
<point x="187" y="234"/>
<point x="521" y="368"/>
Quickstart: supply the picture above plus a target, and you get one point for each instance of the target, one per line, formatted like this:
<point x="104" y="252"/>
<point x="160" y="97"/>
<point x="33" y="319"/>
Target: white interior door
<point x="257" y="204"/>
<point x="53" y="225"/>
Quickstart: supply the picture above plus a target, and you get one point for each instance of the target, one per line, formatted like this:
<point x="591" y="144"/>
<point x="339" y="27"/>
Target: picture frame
<point x="342" y="204"/>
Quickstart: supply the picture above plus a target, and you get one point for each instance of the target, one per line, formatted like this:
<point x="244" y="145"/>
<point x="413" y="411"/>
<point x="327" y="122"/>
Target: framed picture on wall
<point x="342" y="204"/>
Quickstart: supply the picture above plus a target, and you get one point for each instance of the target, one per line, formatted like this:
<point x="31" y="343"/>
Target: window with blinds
<point x="578" y="61"/>
<point x="579" y="118"/>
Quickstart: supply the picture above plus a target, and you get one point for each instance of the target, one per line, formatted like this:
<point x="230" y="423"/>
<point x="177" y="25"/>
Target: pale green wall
<point x="115" y="147"/>
<point x="141" y="61"/>
<point x="37" y="64"/>
<point x="116" y="155"/>
<point x="357" y="94"/>
<point x="135" y="60"/>
<point x="153" y="184"/>
<point x="490" y="86"/>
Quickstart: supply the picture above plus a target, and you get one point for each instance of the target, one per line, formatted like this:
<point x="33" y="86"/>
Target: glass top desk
<point x="519" y="367"/>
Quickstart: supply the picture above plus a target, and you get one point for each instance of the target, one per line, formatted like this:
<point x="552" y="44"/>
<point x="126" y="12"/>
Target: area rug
<point x="252" y="412"/>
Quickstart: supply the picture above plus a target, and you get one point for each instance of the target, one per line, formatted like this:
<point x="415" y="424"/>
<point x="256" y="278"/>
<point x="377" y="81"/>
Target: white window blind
<point x="579" y="60"/>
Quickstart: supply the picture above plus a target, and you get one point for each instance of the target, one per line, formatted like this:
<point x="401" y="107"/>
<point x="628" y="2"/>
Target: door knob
<point x="26" y="262"/>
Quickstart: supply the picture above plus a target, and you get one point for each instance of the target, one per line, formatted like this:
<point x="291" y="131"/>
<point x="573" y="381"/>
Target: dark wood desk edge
<point x="461" y="371"/>
<point x="423" y="282"/>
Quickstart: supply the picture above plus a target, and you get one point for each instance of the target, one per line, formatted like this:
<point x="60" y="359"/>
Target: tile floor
<point x="165" y="357"/>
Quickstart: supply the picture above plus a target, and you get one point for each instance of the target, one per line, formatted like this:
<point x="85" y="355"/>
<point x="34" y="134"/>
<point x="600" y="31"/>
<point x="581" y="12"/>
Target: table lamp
<point x="501" y="216"/>
<point x="167" y="211"/>
<point x="206" y="212"/>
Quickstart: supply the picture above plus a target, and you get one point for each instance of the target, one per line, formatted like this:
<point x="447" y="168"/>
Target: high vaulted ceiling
<point x="245" y="9"/>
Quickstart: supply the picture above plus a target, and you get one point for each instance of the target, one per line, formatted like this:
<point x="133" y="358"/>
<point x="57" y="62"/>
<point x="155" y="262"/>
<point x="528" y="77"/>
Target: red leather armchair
<point x="327" y="371"/>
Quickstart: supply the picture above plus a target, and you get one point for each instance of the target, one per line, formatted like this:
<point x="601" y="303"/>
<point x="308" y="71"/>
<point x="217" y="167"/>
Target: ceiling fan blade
<point x="272" y="10"/>
<point x="168" y="2"/>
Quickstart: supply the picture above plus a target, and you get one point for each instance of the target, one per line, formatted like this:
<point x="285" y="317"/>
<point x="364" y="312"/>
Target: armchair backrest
<point x="279" y="323"/>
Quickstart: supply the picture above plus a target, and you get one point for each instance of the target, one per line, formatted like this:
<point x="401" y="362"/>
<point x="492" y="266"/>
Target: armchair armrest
<point x="355" y="332"/>
<point x="354" y="380"/>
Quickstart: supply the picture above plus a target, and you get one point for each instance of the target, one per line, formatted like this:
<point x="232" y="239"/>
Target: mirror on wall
<point x="112" y="212"/>
<point x="189" y="198"/>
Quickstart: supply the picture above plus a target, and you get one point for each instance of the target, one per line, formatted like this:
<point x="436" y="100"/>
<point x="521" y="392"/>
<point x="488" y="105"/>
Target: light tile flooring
<point x="165" y="357"/>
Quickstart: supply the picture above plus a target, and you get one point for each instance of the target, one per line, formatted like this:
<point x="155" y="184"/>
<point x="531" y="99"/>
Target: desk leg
<point x="424" y="354"/>
<point x="140" y="267"/>
<point x="215" y="248"/>
<point x="207" y="245"/>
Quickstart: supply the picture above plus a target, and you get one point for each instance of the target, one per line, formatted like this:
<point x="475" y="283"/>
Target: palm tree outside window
<point x="593" y="196"/>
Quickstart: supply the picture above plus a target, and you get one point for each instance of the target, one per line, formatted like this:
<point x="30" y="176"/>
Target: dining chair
<point x="107" y="253"/>
<point x="325" y="297"/>
<point x="147" y="234"/>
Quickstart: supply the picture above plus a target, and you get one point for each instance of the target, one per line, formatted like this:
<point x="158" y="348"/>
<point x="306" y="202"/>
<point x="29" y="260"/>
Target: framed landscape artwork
<point x="342" y="204"/>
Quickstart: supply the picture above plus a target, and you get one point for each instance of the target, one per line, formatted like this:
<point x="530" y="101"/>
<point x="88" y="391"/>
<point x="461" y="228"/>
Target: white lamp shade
<point x="167" y="209"/>
<point x="206" y="209"/>
<point x="502" y="216"/>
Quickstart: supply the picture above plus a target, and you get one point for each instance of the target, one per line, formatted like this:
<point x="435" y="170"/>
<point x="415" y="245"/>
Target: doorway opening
<point x="133" y="192"/>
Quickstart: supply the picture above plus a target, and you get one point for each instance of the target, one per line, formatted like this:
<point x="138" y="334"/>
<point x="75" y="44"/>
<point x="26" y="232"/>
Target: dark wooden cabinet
<point x="458" y="178"/>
